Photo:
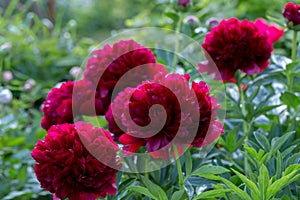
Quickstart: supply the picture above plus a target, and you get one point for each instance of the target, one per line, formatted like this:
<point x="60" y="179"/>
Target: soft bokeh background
<point x="42" y="40"/>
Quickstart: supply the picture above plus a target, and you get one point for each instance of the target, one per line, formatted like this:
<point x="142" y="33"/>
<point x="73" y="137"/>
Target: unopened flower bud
<point x="7" y="76"/>
<point x="5" y="96"/>
<point x="75" y="71"/>
<point x="191" y="20"/>
<point x="29" y="84"/>
<point x="212" y="22"/>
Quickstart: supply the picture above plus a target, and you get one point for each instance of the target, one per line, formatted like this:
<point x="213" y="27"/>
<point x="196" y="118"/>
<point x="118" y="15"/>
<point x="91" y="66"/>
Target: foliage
<point x="256" y="158"/>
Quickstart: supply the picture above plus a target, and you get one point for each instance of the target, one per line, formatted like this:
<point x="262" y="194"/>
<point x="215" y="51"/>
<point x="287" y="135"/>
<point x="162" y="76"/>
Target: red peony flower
<point x="58" y="106"/>
<point x="243" y="45"/>
<point x="188" y="117"/>
<point x="183" y="3"/>
<point x="65" y="166"/>
<point x="85" y="95"/>
<point x="70" y="98"/>
<point x="292" y="13"/>
<point x="108" y="65"/>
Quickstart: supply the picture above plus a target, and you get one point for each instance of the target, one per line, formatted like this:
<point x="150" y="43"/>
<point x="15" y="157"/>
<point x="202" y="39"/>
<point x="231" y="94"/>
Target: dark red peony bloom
<point x="65" y="166"/>
<point x="239" y="45"/>
<point x="183" y="3"/>
<point x="70" y="98"/>
<point x="108" y="65"/>
<point x="188" y="118"/>
<point x="85" y="95"/>
<point x="292" y="13"/>
<point x="58" y="106"/>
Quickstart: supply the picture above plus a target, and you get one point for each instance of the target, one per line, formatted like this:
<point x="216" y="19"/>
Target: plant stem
<point x="289" y="71"/>
<point x="176" y="48"/>
<point x="179" y="170"/>
<point x="246" y="128"/>
<point x="294" y="48"/>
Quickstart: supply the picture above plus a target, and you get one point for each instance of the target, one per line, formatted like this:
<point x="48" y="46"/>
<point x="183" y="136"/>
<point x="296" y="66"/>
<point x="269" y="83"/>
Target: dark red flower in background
<point x="183" y="3"/>
<point x="69" y="99"/>
<point x="108" y="65"/>
<point x="167" y="91"/>
<point x="239" y="45"/>
<point x="292" y="13"/>
<point x="84" y="97"/>
<point x="65" y="166"/>
<point x="57" y="107"/>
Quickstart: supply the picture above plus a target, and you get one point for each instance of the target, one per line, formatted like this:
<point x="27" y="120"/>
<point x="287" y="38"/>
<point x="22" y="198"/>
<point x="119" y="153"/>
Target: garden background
<point x="42" y="42"/>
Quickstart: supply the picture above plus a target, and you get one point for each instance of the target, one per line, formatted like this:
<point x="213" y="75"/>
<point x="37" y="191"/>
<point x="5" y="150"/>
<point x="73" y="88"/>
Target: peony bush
<point x="166" y="109"/>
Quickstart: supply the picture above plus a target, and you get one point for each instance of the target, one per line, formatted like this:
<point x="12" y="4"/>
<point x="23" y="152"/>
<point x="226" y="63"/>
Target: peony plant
<point x="168" y="111"/>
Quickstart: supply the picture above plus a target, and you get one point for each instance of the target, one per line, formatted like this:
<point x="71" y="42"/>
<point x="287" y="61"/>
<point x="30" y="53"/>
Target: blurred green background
<point x="42" y="40"/>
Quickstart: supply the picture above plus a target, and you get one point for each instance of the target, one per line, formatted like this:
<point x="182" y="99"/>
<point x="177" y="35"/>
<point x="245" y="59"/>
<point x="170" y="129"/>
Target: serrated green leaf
<point x="253" y="188"/>
<point x="142" y="190"/>
<point x="262" y="141"/>
<point x="154" y="189"/>
<point x="217" y="193"/>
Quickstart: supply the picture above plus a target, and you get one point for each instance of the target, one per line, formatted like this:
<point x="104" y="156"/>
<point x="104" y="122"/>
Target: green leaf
<point x="253" y="95"/>
<point x="290" y="99"/>
<point x="216" y="193"/>
<point x="243" y="195"/>
<point x="188" y="163"/>
<point x="142" y="190"/>
<point x="208" y="169"/>
<point x="278" y="142"/>
<point x="231" y="140"/>
<point x="279" y="161"/>
<point x="95" y="121"/>
<point x="252" y="152"/>
<point x="262" y="141"/>
<point x="290" y="175"/>
<point x="295" y="158"/>
<point x="125" y="184"/>
<point x="173" y="15"/>
<point x="154" y="189"/>
<point x="253" y="188"/>
<point x="288" y="151"/>
<point x="263" y="110"/>
<point x="10" y="142"/>
<point x="263" y="181"/>
<point x="291" y="169"/>
<point x="178" y="195"/>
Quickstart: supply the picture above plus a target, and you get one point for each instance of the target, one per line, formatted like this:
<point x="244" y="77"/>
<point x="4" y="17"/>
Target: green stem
<point x="177" y="30"/>
<point x="179" y="170"/>
<point x="246" y="127"/>
<point x="289" y="71"/>
<point x="146" y="168"/>
<point x="294" y="48"/>
<point x="243" y="107"/>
